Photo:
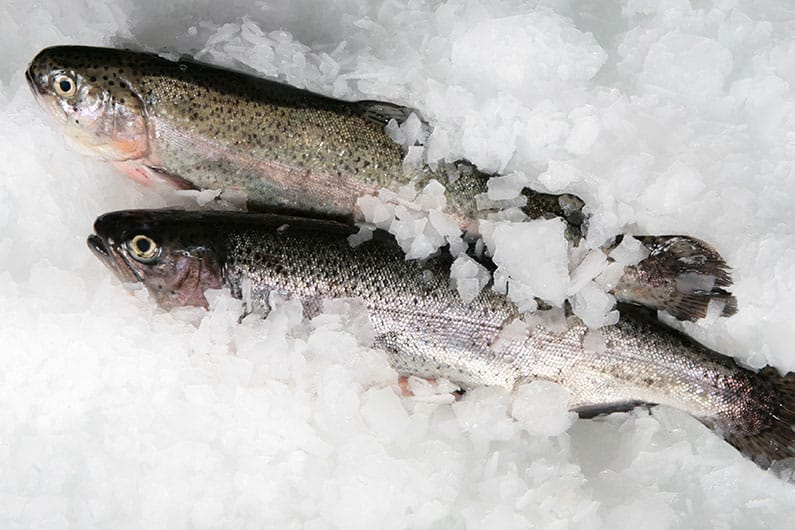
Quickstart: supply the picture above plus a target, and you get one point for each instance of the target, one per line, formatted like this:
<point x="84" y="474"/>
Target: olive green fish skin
<point x="429" y="331"/>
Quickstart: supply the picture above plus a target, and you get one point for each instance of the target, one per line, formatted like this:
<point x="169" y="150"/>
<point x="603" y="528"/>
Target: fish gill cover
<point x="665" y="117"/>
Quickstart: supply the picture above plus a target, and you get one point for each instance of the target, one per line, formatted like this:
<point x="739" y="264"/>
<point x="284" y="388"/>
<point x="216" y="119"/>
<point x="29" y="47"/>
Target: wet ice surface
<point x="666" y="118"/>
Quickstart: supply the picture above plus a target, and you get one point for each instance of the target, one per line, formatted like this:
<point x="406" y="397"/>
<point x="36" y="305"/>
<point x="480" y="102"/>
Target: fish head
<point x="176" y="260"/>
<point x="93" y="95"/>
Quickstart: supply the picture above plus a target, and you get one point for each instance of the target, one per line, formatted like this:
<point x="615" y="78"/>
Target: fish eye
<point x="143" y="248"/>
<point x="64" y="85"/>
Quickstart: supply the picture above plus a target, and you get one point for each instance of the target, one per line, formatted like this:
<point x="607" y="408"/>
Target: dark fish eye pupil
<point x="144" y="246"/>
<point x="65" y="85"/>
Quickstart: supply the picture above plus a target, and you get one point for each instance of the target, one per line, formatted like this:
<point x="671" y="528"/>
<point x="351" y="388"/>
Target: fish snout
<point x="35" y="81"/>
<point x="112" y="258"/>
<point x="98" y="247"/>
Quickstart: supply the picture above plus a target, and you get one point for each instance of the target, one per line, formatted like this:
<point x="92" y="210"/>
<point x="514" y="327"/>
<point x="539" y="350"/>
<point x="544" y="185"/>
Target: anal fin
<point x="592" y="411"/>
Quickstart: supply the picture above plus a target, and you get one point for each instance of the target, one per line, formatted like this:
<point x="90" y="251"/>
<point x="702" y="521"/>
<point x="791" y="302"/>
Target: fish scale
<point x="427" y="330"/>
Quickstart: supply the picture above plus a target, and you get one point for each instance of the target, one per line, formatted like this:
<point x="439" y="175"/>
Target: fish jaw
<point x="104" y="251"/>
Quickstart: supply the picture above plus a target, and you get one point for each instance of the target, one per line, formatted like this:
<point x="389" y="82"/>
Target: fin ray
<point x="682" y="275"/>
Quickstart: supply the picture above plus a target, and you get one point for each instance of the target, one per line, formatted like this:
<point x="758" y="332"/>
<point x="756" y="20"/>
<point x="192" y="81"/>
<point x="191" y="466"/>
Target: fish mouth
<point x="113" y="260"/>
<point x="97" y="246"/>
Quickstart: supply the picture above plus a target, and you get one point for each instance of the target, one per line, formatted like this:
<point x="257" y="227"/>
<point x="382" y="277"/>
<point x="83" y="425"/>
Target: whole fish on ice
<point x="428" y="331"/>
<point x="283" y="148"/>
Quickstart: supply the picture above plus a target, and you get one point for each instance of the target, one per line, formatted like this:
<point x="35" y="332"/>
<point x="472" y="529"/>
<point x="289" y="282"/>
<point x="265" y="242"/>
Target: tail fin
<point x="772" y="444"/>
<point x="682" y="275"/>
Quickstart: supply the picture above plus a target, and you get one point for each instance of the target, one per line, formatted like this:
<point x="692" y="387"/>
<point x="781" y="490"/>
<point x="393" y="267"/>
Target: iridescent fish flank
<point x="426" y="329"/>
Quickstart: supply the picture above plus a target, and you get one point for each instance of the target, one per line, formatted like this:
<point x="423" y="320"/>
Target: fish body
<point x="277" y="146"/>
<point x="428" y="331"/>
<point x="213" y="128"/>
<point x="281" y="148"/>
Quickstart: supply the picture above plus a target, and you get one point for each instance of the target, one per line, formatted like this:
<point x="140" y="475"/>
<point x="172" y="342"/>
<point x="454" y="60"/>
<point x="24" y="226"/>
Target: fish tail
<point x="682" y="275"/>
<point x="771" y="443"/>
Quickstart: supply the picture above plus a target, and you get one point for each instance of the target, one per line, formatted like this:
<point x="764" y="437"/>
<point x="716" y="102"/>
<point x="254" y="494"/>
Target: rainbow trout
<point x="428" y="331"/>
<point x="290" y="150"/>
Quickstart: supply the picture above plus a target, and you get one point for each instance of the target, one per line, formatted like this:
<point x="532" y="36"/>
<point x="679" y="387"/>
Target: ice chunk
<point x="584" y="132"/>
<point x="610" y="277"/>
<point x="432" y="391"/>
<point x="468" y="277"/>
<point x="534" y="257"/>
<point x="594" y="306"/>
<point x="364" y="234"/>
<point x="437" y="147"/>
<point x="510" y="186"/>
<point x="376" y="210"/>
<point x="539" y="46"/>
<point x="413" y="131"/>
<point x="594" y="341"/>
<point x="542" y="408"/>
<point x="395" y="132"/>
<point x="692" y="66"/>
<point x="484" y="413"/>
<point x="417" y="220"/>
<point x="522" y="295"/>
<point x="384" y="413"/>
<point x="553" y="319"/>
<point x="515" y="331"/>
<point x="483" y="202"/>
<point x="589" y="268"/>
<point x="629" y="252"/>
<point x="413" y="160"/>
<point x="560" y="177"/>
<point x="432" y="196"/>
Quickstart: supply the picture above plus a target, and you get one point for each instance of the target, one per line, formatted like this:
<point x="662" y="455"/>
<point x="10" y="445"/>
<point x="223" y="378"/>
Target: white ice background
<point x="664" y="116"/>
